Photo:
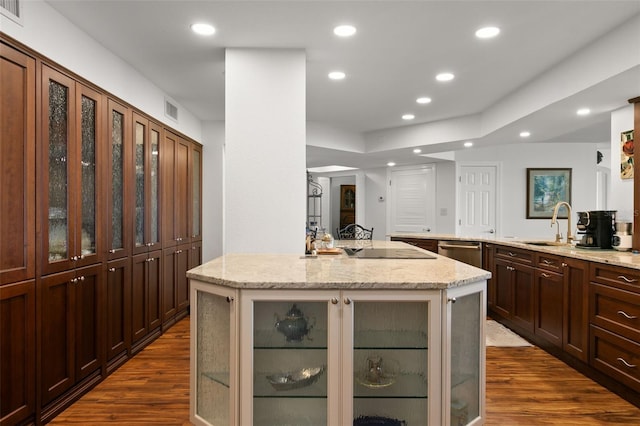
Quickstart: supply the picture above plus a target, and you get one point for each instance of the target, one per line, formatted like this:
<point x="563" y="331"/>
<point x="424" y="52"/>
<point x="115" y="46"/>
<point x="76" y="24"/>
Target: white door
<point x="477" y="200"/>
<point x="413" y="200"/>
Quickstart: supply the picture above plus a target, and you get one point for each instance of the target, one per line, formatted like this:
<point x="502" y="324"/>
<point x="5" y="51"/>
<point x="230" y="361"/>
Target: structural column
<point x="265" y="151"/>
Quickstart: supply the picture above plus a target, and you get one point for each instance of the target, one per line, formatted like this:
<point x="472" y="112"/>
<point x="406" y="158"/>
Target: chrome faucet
<point x="554" y="220"/>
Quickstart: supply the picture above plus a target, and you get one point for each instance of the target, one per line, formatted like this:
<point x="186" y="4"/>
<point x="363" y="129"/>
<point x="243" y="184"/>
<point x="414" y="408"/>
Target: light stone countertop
<point x="625" y="259"/>
<point x="295" y="271"/>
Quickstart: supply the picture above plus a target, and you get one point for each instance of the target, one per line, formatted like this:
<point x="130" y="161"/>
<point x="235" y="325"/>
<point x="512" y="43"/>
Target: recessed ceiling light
<point x="423" y="100"/>
<point x="417" y="151"/>
<point x="468" y="144"/>
<point x="337" y="75"/>
<point x="203" y="29"/>
<point x="344" y="30"/>
<point x="408" y="117"/>
<point x="445" y="76"/>
<point x="391" y="164"/>
<point x="487" y="32"/>
<point x="583" y="111"/>
<point x="525" y="134"/>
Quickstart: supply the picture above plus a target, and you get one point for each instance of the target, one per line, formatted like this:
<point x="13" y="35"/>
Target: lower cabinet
<point x="514" y="292"/>
<point x="337" y="356"/>
<point x="118" y="312"/>
<point x="175" y="287"/>
<point x="71" y="345"/>
<point x="146" y="313"/>
<point x="18" y="360"/>
<point x="549" y="306"/>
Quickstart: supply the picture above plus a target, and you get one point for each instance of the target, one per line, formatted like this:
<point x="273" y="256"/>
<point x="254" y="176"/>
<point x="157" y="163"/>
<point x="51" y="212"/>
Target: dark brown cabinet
<point x="118" y="312"/>
<point x="514" y="286"/>
<point x="17" y="166"/>
<point x="18" y="361"/>
<point x="488" y="264"/>
<point x="72" y="201"/>
<point x="575" y="329"/>
<point x="81" y="227"/>
<point x="70" y="344"/>
<point x="146" y="308"/>
<point x="347" y="205"/>
<point x="175" y="295"/>
<point x="549" y="306"/>
<point x="427" y="244"/>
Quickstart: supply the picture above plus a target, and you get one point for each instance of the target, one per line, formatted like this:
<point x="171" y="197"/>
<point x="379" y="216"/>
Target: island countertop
<point x="339" y="271"/>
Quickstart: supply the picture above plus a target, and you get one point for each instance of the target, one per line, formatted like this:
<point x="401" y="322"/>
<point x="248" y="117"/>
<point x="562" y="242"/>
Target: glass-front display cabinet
<point x="72" y="121"/>
<point x="316" y="357"/>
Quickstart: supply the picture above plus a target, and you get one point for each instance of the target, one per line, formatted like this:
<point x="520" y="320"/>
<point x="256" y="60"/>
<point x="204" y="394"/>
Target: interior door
<point x="477" y="200"/>
<point x="413" y="196"/>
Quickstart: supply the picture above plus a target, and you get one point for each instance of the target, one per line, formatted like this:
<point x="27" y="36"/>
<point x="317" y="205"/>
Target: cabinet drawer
<point x="615" y="310"/>
<point x="625" y="278"/>
<point x="549" y="262"/>
<point x="515" y="255"/>
<point x="615" y="356"/>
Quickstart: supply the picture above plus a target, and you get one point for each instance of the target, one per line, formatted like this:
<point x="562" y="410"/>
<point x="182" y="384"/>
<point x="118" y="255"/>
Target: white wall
<point x="446" y="197"/>
<point x="621" y="194"/>
<point x="212" y="173"/>
<point x="376" y="187"/>
<point x="265" y="153"/>
<point x="515" y="159"/>
<point x="54" y="36"/>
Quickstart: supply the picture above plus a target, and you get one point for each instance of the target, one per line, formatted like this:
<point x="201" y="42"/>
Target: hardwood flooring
<point x="525" y="386"/>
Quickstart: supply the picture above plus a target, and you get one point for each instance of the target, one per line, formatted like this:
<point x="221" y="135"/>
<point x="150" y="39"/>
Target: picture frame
<point x="545" y="188"/>
<point x="626" y="155"/>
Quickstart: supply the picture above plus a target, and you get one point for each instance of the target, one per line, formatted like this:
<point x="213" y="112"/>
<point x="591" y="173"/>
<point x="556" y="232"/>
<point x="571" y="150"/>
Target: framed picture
<point x="546" y="188"/>
<point x="626" y="155"/>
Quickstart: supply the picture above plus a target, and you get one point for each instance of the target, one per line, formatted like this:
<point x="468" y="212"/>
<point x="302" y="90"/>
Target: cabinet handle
<point x="334" y="300"/>
<point x="629" y="280"/>
<point x="178" y="251"/>
<point x="451" y="299"/>
<point x="112" y="269"/>
<point x="149" y="260"/>
<point x="112" y="251"/>
<point x="547" y="262"/>
<point x="510" y="268"/>
<point x="512" y="254"/>
<point x="564" y="265"/>
<point x="347" y="301"/>
<point x="545" y="275"/>
<point x="626" y="363"/>
<point x="626" y="315"/>
<point x="149" y="244"/>
<point x="229" y="299"/>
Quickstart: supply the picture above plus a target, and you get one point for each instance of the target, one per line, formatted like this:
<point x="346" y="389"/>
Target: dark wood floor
<point x="525" y="386"/>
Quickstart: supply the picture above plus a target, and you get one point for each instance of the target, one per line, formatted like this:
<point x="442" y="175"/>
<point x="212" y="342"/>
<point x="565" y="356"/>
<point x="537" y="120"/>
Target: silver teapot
<point x="295" y="326"/>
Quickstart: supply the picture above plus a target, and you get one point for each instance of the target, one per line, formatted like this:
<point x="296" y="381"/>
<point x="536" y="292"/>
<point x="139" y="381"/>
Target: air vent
<point x="170" y="110"/>
<point x="12" y="9"/>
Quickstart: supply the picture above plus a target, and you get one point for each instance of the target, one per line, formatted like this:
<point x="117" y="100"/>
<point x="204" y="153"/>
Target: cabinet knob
<point x="347" y="301"/>
<point x="74" y="280"/>
<point x="112" y="269"/>
<point x="229" y="299"/>
<point x="334" y="300"/>
<point x="564" y="264"/>
<point x="112" y="251"/>
<point x="452" y="300"/>
<point x="178" y="251"/>
<point x="81" y="278"/>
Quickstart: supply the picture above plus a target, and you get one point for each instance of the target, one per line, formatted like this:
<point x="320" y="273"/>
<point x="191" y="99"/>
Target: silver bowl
<point x="295" y="379"/>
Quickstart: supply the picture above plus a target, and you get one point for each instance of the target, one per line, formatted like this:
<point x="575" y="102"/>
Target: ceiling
<point x="398" y="49"/>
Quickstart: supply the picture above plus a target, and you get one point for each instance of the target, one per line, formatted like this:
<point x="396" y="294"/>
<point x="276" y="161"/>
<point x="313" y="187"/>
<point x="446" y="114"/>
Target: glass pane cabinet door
<point x="213" y="402"/>
<point x="390" y="362"/>
<point x="466" y="355"/>
<point x="58" y="225"/>
<point x="195" y="196"/>
<point x="140" y="136"/>
<point x="88" y="177"/>
<point x="290" y="362"/>
<point x="154" y="170"/>
<point x="117" y="181"/>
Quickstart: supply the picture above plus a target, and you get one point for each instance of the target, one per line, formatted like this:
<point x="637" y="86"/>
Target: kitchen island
<point x="338" y="339"/>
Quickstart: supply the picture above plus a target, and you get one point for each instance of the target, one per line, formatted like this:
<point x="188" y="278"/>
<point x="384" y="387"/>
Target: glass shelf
<point x="273" y="339"/>
<point x="402" y="386"/>
<point x="396" y="339"/>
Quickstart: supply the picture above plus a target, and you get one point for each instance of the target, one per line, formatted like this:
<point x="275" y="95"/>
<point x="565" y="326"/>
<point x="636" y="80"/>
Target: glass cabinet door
<point x="118" y="234"/>
<point x="466" y="355"/>
<point x="389" y="345"/>
<point x="212" y="355"/>
<point x="290" y="359"/>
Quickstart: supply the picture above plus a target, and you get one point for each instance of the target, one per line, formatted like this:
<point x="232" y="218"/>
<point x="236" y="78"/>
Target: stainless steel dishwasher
<point x="464" y="251"/>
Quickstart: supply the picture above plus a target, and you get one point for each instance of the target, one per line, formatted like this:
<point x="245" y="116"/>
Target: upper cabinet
<point x="118" y="179"/>
<point x="71" y="207"/>
<point x="146" y="136"/>
<point x="17" y="166"/>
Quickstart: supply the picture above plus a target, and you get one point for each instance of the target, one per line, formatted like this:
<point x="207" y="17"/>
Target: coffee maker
<point x="597" y="228"/>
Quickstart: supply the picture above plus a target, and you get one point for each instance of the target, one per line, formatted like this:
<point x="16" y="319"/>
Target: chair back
<point x="353" y="231"/>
